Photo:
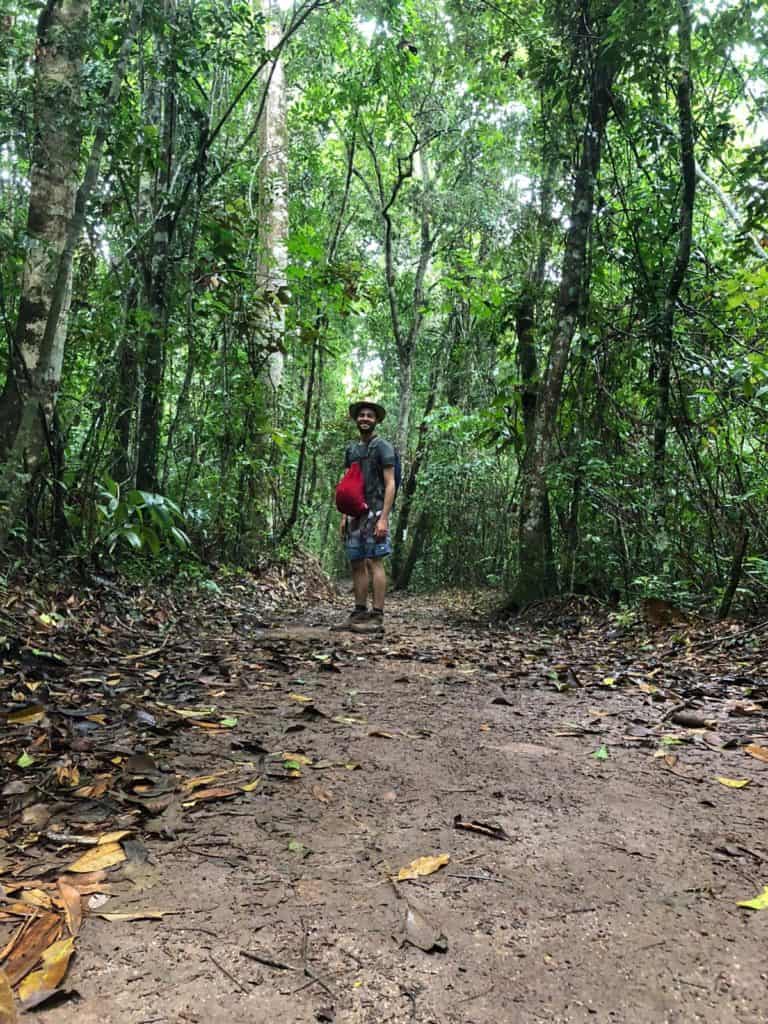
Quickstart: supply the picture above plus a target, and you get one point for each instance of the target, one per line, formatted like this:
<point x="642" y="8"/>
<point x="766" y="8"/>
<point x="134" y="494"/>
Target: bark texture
<point x="34" y="372"/>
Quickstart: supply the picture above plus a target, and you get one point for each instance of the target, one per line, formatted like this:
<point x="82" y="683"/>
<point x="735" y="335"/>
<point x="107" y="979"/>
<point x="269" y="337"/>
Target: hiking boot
<point x="373" y="623"/>
<point x="358" y="617"/>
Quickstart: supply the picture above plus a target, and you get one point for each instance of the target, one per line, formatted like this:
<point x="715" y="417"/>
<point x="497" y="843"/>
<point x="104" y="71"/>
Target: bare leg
<point x="379" y="582"/>
<point x="360" y="583"/>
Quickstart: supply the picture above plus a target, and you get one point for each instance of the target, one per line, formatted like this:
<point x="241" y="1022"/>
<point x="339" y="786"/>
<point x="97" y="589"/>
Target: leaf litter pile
<point x="167" y="754"/>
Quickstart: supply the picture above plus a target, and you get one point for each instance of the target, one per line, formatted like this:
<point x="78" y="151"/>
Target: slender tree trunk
<point x="122" y="466"/>
<point x="158" y="285"/>
<point x="34" y="371"/>
<point x="409" y="488"/>
<point x="734" y="574"/>
<point x="537" y="576"/>
<point x="682" y="258"/>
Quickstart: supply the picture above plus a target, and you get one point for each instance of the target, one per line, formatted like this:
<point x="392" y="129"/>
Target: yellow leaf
<point x="201" y="780"/>
<point x="732" y="783"/>
<point x="37" y="898"/>
<point x="8" y="1013"/>
<point x="113" y="837"/>
<point x="300" y="698"/>
<point x="609" y="681"/>
<point x="760" y="902"/>
<point x="39" y="985"/>
<point x="26" y="716"/>
<point x="250" y="786"/>
<point x="647" y="688"/>
<point x="99" y="857"/>
<point x="423" y="866"/>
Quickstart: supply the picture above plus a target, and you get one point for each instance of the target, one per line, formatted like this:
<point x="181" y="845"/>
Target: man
<point x="366" y="538"/>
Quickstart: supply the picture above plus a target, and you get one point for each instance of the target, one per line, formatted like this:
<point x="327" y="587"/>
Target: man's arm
<point x="382" y="524"/>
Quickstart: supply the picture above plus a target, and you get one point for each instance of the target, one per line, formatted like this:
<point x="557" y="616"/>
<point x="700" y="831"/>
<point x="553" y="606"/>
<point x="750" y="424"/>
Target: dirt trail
<point x="612" y="899"/>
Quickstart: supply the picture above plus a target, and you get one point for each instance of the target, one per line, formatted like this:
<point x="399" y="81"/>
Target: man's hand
<point x="381" y="529"/>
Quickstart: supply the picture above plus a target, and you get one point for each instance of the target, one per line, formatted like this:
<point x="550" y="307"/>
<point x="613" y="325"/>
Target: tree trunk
<point x="537" y="575"/>
<point x="409" y="488"/>
<point x="682" y="258"/>
<point x="158" y="283"/>
<point x="34" y="370"/>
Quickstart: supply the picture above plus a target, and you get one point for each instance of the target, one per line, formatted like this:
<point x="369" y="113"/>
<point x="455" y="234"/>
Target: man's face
<point x="366" y="420"/>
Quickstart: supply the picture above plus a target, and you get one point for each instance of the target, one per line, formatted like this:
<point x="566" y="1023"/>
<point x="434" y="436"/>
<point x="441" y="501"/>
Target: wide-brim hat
<point x="355" y="408"/>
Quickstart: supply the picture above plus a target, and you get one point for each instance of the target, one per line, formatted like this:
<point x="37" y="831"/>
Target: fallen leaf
<point x="99" y="857"/>
<point x="37" y="898"/>
<point x="25" y="760"/>
<point x="423" y="866"/>
<point x="601" y="754"/>
<point x="202" y="780"/>
<point x="760" y="902"/>
<point x="218" y="793"/>
<point x="297" y="759"/>
<point x="249" y="787"/>
<point x="294" y="846"/>
<point x="73" y="908"/>
<point x="421" y="933"/>
<point x="381" y="734"/>
<point x="113" y="837"/>
<point x="96" y="789"/>
<point x="135" y="915"/>
<point x="26" y="716"/>
<point x="755" y="750"/>
<point x="41" y="984"/>
<point x="323" y="795"/>
<point x="8" y="1014"/>
<point x="26" y="947"/>
<point x="732" y="783"/>
<point x="300" y="698"/>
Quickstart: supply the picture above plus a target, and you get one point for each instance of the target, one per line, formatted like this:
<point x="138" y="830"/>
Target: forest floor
<point x="594" y="786"/>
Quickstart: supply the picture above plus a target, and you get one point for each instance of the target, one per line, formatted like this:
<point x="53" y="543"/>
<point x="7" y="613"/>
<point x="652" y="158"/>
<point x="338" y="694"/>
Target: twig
<point x="267" y="961"/>
<point x="228" y="974"/>
<point x="481" y="878"/>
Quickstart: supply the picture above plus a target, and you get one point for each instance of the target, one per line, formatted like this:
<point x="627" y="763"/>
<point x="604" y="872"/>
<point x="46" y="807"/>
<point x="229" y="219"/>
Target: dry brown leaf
<point x="8" y="1014"/>
<point x="221" y="793"/>
<point x="423" y="866"/>
<point x="321" y="794"/>
<point x="755" y="750"/>
<point x="96" y="789"/>
<point x="135" y="915"/>
<point x="73" y="907"/>
<point x="28" y="945"/>
<point x="38" y="986"/>
<point x="88" y="881"/>
<point x="99" y="857"/>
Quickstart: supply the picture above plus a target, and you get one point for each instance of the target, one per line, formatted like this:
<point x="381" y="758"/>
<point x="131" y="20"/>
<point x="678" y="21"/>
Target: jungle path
<point x="277" y="776"/>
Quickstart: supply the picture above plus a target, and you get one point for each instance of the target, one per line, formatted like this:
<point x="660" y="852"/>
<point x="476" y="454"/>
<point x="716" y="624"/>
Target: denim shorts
<point x="359" y="541"/>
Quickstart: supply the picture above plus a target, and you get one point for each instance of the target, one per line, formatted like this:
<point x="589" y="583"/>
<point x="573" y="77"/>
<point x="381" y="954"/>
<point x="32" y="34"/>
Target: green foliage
<point x="118" y="521"/>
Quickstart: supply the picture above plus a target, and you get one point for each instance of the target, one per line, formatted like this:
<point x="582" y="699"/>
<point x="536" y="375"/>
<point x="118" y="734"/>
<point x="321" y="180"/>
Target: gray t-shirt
<point x="373" y="457"/>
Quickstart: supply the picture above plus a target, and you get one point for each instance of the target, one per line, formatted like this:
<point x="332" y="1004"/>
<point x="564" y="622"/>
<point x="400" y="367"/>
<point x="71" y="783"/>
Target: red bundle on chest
<point x="350" y="492"/>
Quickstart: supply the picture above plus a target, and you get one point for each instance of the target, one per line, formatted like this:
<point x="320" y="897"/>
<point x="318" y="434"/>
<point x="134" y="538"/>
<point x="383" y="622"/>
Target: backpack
<point x="350" y="491"/>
